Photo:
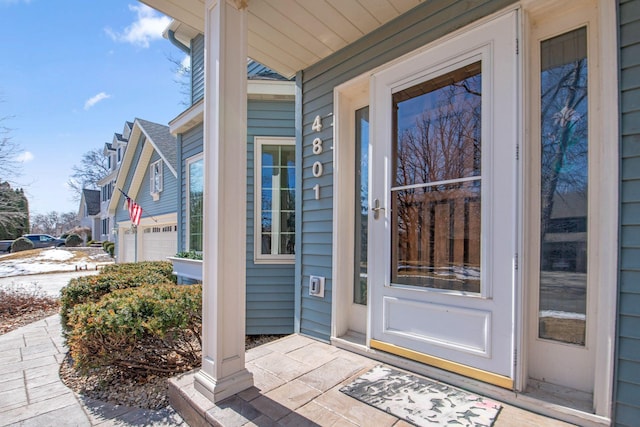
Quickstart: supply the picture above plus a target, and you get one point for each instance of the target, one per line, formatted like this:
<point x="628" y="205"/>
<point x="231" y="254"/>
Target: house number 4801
<point x="317" y="168"/>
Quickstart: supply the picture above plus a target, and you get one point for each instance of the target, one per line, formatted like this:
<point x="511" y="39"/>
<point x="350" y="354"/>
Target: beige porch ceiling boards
<point x="291" y="35"/>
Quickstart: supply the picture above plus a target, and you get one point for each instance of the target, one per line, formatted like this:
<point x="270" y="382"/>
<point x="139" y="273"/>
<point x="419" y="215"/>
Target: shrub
<point x="73" y="240"/>
<point x="190" y="255"/>
<point x="117" y="276"/>
<point x="152" y="328"/>
<point x="21" y="244"/>
<point x="110" y="247"/>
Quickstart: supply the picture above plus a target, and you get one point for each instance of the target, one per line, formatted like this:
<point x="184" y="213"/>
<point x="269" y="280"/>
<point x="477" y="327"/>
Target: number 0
<point x="317" y="169"/>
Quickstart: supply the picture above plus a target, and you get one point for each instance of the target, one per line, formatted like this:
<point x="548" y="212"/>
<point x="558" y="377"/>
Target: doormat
<point x="420" y="401"/>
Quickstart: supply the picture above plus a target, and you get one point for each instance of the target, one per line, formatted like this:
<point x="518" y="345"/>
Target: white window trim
<point x="189" y="161"/>
<point x="600" y="21"/>
<point x="155" y="190"/>
<point x="258" y="258"/>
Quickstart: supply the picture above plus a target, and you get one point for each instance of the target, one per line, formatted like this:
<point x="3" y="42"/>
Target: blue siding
<point x="423" y="24"/>
<point x="197" y="69"/>
<point x="627" y="387"/>
<point x="121" y="213"/>
<point x="165" y="204"/>
<point x="191" y="143"/>
<point x="270" y="287"/>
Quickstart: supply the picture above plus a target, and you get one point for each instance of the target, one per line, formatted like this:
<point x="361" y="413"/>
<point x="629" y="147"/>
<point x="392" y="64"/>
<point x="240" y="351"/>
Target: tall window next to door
<point x="195" y="179"/>
<point x="275" y="172"/>
<point x="564" y="187"/>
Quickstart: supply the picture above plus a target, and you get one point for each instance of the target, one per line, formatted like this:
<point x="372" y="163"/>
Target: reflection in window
<point x="564" y="188"/>
<point x="276" y="189"/>
<point x="361" y="205"/>
<point x="196" y="180"/>
<point x="436" y="195"/>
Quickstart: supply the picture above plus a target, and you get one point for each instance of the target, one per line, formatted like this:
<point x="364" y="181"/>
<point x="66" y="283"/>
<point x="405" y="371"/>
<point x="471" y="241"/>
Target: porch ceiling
<point x="290" y="35"/>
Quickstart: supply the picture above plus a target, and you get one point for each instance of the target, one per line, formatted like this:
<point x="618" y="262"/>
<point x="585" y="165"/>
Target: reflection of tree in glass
<point x="438" y="126"/>
<point x="564" y="134"/>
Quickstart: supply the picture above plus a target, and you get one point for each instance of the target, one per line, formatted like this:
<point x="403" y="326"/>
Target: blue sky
<point x="71" y="73"/>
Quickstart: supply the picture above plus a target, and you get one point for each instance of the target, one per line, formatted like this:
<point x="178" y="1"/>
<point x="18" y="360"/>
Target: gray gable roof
<point x="165" y="142"/>
<point x="257" y="71"/>
<point x="92" y="200"/>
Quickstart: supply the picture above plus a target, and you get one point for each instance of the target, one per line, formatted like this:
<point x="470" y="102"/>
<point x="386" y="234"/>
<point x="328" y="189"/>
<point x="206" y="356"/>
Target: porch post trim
<point x="223" y="371"/>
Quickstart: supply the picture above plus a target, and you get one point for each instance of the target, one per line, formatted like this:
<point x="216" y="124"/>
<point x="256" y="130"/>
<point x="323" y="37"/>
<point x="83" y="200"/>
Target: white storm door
<point x="443" y="222"/>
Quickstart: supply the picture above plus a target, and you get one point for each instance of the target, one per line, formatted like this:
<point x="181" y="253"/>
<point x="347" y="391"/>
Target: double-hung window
<point x="275" y="172"/>
<point x="195" y="180"/>
<point x="155" y="174"/>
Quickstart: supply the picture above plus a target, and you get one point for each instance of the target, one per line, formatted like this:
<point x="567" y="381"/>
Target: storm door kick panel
<point x="442" y="229"/>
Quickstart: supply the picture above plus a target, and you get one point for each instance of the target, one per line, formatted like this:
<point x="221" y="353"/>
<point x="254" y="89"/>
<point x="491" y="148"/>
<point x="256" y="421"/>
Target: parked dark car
<point x="44" y="240"/>
<point x="5" y="245"/>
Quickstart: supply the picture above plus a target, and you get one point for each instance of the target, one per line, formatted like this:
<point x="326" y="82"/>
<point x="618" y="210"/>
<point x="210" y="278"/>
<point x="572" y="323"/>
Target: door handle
<point x="376" y="209"/>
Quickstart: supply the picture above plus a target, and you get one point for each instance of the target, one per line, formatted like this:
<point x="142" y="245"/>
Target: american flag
<point x="135" y="211"/>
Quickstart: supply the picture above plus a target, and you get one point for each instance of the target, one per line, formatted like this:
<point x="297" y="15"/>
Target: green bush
<point x="117" y="276"/>
<point x="110" y="247"/>
<point x="190" y="255"/>
<point x="73" y="240"/>
<point x="149" y="329"/>
<point x="21" y="244"/>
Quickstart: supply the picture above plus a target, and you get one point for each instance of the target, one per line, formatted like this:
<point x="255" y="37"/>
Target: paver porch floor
<point x="296" y="383"/>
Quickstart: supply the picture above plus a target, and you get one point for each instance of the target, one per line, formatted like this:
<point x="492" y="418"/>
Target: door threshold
<point x="356" y="343"/>
<point x="565" y="396"/>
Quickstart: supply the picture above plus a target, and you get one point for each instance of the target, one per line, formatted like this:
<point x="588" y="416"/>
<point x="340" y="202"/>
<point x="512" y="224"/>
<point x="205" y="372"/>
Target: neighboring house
<point x="428" y="132"/>
<point x="148" y="176"/>
<point x="270" y="230"/>
<point x="114" y="152"/>
<point x="89" y="212"/>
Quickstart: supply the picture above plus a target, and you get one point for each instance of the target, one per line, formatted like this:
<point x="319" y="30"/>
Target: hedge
<point x="149" y="329"/>
<point x="117" y="276"/>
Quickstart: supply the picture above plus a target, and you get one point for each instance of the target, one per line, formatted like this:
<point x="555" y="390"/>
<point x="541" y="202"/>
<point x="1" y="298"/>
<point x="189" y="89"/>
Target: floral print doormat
<point x="420" y="401"/>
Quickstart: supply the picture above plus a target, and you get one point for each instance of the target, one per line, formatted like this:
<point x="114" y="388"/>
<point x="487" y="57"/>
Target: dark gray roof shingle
<point x="92" y="200"/>
<point x="162" y="138"/>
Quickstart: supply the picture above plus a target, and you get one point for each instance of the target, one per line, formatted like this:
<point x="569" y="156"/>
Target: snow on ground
<point x="46" y="261"/>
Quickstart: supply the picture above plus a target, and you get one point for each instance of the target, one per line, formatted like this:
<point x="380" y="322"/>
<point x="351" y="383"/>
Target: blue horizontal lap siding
<point x="166" y="204"/>
<point x="270" y="287"/>
<point x="423" y="24"/>
<point x="122" y="214"/>
<point x="627" y="387"/>
<point x="197" y="69"/>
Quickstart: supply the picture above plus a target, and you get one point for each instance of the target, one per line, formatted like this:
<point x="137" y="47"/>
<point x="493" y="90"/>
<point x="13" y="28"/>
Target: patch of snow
<point x="562" y="315"/>
<point x="56" y="255"/>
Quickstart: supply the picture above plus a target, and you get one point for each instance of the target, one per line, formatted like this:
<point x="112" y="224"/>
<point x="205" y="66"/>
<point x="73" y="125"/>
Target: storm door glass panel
<point x="564" y="188"/>
<point x="361" y="205"/>
<point x="196" y="180"/>
<point x="278" y="200"/>
<point x="435" y="197"/>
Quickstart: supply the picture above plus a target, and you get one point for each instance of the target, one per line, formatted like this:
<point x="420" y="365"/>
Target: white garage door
<point x="158" y="242"/>
<point x="127" y="246"/>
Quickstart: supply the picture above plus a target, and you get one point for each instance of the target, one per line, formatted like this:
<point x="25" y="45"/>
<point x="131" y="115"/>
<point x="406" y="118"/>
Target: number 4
<point x="317" y="124"/>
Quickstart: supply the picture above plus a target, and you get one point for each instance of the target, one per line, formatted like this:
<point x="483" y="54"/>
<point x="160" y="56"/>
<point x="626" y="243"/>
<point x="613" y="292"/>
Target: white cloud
<point x="95" y="99"/>
<point x="24" y="157"/>
<point x="148" y="27"/>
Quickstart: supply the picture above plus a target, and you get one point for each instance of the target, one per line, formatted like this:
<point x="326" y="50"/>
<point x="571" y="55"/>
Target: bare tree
<point x="93" y="166"/>
<point x="9" y="150"/>
<point x="53" y="223"/>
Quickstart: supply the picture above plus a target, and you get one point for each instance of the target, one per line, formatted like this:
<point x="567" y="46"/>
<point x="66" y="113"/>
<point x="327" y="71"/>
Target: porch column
<point x="223" y="371"/>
